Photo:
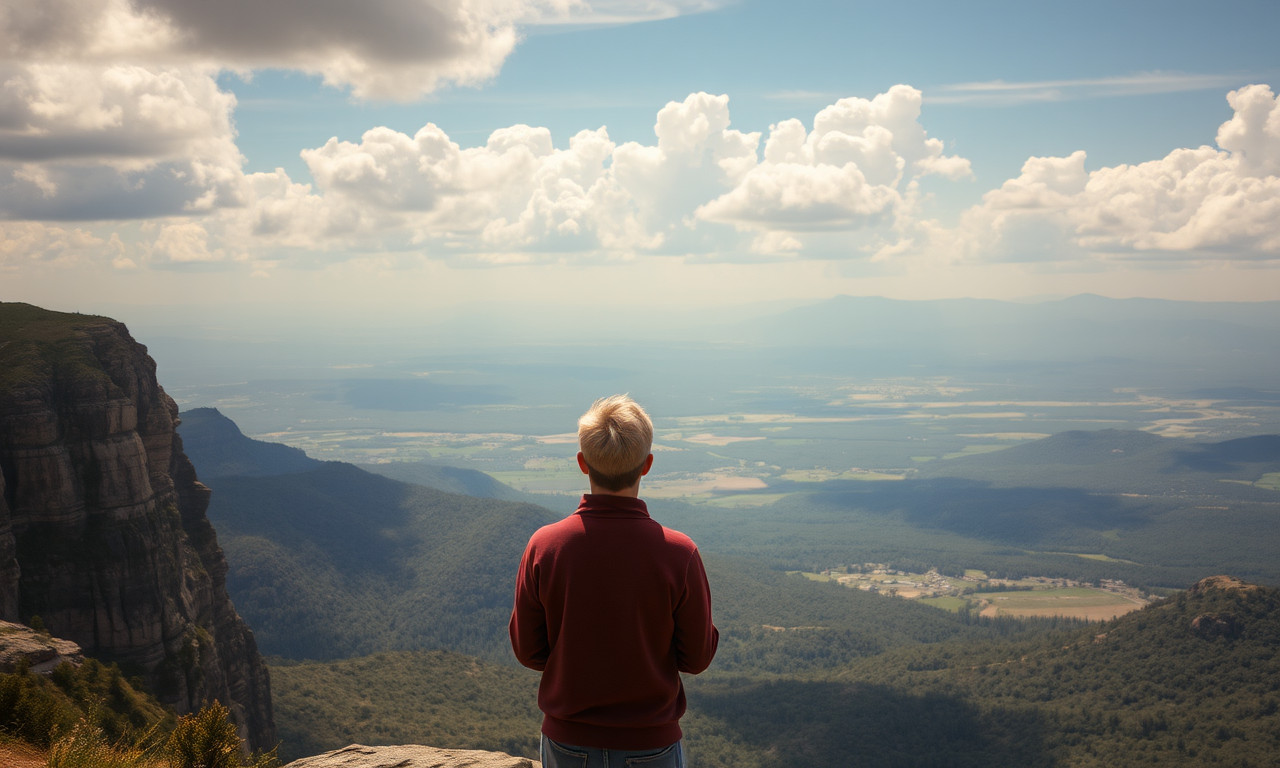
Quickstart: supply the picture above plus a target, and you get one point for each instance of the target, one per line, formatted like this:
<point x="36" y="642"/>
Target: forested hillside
<point x="1191" y="681"/>
<point x="337" y="562"/>
<point x="386" y="605"/>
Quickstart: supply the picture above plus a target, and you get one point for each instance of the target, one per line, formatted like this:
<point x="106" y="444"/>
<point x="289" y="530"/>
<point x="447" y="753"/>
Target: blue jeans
<point x="557" y="755"/>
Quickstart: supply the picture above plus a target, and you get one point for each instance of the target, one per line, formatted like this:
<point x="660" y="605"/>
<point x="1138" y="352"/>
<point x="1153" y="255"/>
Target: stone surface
<point x="412" y="756"/>
<point x="103" y="532"/>
<point x="41" y="652"/>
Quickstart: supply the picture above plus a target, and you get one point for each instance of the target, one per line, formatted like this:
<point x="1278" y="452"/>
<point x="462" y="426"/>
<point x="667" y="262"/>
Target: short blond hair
<point x="615" y="436"/>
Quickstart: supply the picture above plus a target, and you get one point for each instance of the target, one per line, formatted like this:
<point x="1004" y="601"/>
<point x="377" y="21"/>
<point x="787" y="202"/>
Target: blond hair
<point x="615" y="436"/>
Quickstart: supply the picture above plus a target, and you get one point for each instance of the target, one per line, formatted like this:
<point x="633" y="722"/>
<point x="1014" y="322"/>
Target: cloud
<point x="85" y="142"/>
<point x="1003" y="92"/>
<point x="609" y="12"/>
<point x="26" y="243"/>
<point x="516" y="198"/>
<point x="847" y="186"/>
<point x="855" y="169"/>
<point x="382" y="49"/>
<point x="1202" y="203"/>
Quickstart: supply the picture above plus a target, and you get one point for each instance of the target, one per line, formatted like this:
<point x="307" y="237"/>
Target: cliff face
<point x="103" y="531"/>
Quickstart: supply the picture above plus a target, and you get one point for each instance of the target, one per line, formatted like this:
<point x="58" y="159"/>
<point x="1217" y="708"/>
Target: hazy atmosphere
<point x="956" y="322"/>
<point x="391" y="159"/>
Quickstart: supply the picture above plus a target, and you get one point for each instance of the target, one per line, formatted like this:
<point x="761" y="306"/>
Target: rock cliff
<point x="103" y="533"/>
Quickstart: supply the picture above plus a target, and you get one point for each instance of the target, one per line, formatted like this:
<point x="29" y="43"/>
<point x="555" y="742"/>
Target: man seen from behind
<point x="612" y="606"/>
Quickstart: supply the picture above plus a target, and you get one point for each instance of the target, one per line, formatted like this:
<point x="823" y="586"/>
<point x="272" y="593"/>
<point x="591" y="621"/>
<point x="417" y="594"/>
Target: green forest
<point x="383" y="605"/>
<point x="1164" y="686"/>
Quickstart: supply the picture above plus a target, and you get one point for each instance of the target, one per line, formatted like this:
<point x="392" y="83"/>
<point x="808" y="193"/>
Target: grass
<point x="952" y="604"/>
<point x="33" y="341"/>
<point x="1270" y="481"/>
<point x="973" y="450"/>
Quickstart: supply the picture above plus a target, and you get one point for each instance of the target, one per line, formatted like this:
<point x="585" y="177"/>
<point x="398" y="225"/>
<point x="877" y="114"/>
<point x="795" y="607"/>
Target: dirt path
<point x="14" y="756"/>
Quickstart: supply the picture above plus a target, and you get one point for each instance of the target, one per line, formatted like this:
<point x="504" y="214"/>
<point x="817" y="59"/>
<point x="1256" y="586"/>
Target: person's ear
<point x="648" y="464"/>
<point x="582" y="463"/>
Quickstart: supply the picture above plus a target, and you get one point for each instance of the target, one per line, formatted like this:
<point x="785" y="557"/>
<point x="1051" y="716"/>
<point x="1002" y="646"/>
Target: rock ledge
<point x="412" y="756"/>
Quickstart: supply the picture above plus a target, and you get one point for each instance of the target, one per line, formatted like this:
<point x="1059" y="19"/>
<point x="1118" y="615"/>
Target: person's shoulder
<point x="562" y="527"/>
<point x="678" y="538"/>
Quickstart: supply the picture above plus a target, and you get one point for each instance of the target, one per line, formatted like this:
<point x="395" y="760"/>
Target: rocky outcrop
<point x="40" y="653"/>
<point x="1222" y="584"/>
<point x="1211" y="625"/>
<point x="412" y="756"/>
<point x="103" y="533"/>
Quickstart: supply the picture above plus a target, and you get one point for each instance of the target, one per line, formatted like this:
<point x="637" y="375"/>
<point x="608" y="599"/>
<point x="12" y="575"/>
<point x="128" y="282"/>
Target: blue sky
<point x="393" y="154"/>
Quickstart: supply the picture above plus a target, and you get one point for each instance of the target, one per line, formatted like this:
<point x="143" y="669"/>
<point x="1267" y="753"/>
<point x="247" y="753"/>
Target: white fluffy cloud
<point x="84" y="142"/>
<point x="397" y="49"/>
<point x="517" y="197"/>
<point x="701" y="189"/>
<point x="856" y="168"/>
<point x="1202" y="203"/>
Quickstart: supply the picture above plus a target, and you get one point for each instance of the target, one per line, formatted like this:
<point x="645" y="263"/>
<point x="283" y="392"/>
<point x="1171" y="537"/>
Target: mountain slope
<point x="336" y="562"/>
<point x="219" y="449"/>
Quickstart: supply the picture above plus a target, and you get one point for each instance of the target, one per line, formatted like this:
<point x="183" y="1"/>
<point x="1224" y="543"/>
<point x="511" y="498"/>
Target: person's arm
<point x="696" y="638"/>
<point x="528" y="625"/>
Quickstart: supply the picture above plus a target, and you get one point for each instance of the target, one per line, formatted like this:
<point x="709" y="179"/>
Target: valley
<point x="888" y="431"/>
<point x="920" y="556"/>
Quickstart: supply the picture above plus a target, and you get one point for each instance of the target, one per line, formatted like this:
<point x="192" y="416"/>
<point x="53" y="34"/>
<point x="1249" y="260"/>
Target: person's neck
<point x="631" y="493"/>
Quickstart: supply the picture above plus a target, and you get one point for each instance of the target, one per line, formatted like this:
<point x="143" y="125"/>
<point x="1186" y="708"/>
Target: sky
<point x="393" y="158"/>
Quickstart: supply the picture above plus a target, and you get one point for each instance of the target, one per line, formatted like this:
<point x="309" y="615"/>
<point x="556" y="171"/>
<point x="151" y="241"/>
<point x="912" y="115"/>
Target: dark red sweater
<point x="612" y="606"/>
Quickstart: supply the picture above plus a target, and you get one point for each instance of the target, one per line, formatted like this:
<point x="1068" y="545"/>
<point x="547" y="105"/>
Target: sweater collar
<point x="609" y="504"/>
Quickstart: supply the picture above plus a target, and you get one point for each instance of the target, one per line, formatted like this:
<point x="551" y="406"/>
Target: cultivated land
<point x="891" y="430"/>
<point x="1035" y="596"/>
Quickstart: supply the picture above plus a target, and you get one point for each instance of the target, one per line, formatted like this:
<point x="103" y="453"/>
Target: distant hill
<point x="445" y="478"/>
<point x="218" y="448"/>
<point x="1125" y="461"/>
<point x="1246" y="454"/>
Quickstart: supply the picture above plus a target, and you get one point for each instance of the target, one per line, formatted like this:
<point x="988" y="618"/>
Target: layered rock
<point x="103" y="533"/>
